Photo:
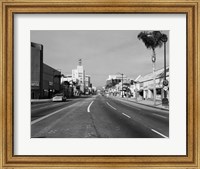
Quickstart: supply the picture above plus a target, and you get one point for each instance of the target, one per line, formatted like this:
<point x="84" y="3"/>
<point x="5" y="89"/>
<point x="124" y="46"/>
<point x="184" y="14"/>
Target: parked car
<point x="59" y="97"/>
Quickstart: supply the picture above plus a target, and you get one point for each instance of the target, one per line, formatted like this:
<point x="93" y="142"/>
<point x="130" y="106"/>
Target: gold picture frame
<point x="189" y="7"/>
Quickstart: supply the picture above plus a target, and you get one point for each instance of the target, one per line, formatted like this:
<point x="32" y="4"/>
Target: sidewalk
<point x="148" y="102"/>
<point x="151" y="103"/>
<point x="34" y="101"/>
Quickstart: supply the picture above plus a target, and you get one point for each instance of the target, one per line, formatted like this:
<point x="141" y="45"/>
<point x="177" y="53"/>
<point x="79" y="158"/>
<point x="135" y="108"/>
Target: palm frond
<point x="152" y="39"/>
<point x="146" y="38"/>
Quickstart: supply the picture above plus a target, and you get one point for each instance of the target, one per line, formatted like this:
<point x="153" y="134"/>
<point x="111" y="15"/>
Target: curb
<point x="40" y="101"/>
<point x="37" y="101"/>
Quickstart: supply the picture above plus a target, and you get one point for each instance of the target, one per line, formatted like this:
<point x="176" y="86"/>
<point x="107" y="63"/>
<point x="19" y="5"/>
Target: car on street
<point x="59" y="97"/>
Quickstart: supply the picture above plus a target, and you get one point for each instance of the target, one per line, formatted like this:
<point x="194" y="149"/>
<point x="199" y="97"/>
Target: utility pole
<point x="136" y="91"/>
<point x="165" y="101"/>
<point x="154" y="78"/>
<point x="122" y="85"/>
<point x="122" y="82"/>
<point x="53" y="82"/>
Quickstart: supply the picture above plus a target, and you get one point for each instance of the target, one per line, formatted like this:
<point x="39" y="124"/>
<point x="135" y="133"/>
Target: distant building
<point x="80" y="82"/>
<point x="114" y="85"/>
<point x="115" y="79"/>
<point x="68" y="78"/>
<point x="71" y="85"/>
<point x="79" y="73"/>
<point x="75" y="74"/>
<point x="87" y="81"/>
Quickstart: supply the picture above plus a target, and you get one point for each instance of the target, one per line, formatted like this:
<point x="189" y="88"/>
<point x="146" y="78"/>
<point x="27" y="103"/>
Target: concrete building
<point x="51" y="81"/>
<point x="45" y="80"/>
<point x="87" y="81"/>
<point x="135" y="86"/>
<point x="114" y="85"/>
<point x="79" y="73"/>
<point x="80" y="82"/>
<point x="36" y="70"/>
<point x="115" y="79"/>
<point x="146" y="85"/>
<point x="140" y="87"/>
<point x="69" y="78"/>
<point x="73" y="85"/>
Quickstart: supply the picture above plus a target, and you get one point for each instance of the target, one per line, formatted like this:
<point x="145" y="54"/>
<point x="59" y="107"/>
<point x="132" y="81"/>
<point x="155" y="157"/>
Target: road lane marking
<point x="126" y="115"/>
<point x="44" y="117"/>
<point x="160" y="115"/>
<point x="124" y="102"/>
<point x="111" y="106"/>
<point x="88" y="109"/>
<point x="159" y="133"/>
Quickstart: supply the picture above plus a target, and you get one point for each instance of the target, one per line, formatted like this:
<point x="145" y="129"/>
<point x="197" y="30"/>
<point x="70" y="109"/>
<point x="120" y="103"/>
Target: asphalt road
<point x="98" y="117"/>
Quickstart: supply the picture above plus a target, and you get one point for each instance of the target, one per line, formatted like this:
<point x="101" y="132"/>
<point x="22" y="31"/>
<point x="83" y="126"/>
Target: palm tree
<point x="152" y="40"/>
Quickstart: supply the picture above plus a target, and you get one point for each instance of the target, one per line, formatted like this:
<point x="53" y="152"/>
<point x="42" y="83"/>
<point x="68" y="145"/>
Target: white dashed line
<point x="88" y="109"/>
<point x="111" y="106"/>
<point x="159" y="115"/>
<point x="126" y="115"/>
<point x="159" y="133"/>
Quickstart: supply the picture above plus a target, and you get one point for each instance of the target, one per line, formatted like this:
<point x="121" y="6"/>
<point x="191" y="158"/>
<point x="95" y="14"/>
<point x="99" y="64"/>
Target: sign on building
<point x="34" y="83"/>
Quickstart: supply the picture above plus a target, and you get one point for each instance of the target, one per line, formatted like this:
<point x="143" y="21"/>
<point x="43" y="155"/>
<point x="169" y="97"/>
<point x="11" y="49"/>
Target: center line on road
<point x="111" y="106"/>
<point x="159" y="133"/>
<point x="159" y="115"/>
<point x="126" y="115"/>
<point x="88" y="109"/>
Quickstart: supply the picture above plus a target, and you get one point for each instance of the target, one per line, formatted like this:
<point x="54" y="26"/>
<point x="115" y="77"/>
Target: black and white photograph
<point x="100" y="83"/>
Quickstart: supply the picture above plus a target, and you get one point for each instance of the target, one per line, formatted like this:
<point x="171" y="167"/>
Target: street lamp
<point x="165" y="101"/>
<point x="53" y="90"/>
<point x="122" y="85"/>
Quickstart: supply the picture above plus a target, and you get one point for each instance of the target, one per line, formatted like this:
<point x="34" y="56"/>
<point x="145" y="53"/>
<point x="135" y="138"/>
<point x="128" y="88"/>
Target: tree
<point x="59" y="76"/>
<point x="152" y="40"/>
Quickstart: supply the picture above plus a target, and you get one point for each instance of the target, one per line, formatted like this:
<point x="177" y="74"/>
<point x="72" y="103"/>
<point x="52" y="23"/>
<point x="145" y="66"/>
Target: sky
<point x="103" y="52"/>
